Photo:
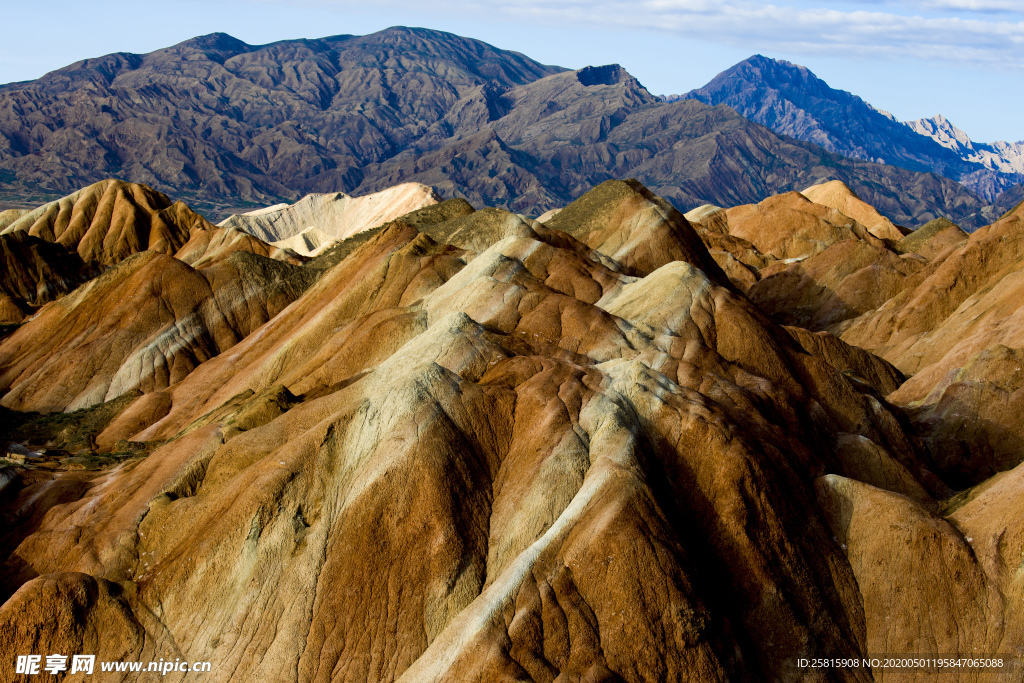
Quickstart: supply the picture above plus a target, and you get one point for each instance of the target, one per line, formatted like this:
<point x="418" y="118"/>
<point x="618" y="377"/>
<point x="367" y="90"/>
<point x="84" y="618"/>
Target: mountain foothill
<point x="374" y="428"/>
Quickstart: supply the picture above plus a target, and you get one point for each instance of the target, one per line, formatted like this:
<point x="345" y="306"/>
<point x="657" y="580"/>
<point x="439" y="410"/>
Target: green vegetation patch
<point x="74" y="432"/>
<point x="340" y="251"/>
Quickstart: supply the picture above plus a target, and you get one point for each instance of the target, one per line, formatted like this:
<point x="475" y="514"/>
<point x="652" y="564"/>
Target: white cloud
<point x="1015" y="6"/>
<point x="988" y="33"/>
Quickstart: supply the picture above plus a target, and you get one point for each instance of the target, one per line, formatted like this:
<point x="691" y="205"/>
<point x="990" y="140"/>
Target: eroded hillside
<point x="471" y="446"/>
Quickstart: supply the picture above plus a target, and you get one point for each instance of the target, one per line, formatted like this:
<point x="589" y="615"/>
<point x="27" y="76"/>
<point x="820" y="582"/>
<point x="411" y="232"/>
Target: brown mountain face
<point x="955" y="327"/>
<point x="111" y="220"/>
<point x="144" y="324"/>
<point x="229" y="125"/>
<point x="470" y="446"/>
<point x="51" y="250"/>
<point x="269" y="121"/>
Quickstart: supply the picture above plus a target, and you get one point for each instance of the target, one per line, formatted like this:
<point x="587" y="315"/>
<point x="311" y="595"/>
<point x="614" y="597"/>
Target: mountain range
<point x="230" y="127"/>
<point x="791" y="100"/>
<point x="621" y="444"/>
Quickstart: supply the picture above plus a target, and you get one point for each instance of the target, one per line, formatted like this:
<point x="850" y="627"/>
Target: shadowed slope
<point x="35" y="272"/>
<point x="958" y="332"/>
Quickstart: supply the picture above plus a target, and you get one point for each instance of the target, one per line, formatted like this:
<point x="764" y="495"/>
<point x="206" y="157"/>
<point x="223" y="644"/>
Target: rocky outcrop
<point x="111" y="220"/>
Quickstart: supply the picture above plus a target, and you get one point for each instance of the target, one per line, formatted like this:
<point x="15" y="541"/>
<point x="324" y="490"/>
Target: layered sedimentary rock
<point x="836" y="194"/>
<point x="957" y="330"/>
<point x="143" y="324"/>
<point x="941" y="305"/>
<point x="317" y="218"/>
<point x="791" y="226"/>
<point x="111" y="220"/>
<point x="481" y="447"/>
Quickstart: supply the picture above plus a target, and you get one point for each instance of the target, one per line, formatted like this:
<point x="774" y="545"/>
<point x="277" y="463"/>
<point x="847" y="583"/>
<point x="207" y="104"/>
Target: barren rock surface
<point x="836" y="194"/>
<point x="471" y="446"/>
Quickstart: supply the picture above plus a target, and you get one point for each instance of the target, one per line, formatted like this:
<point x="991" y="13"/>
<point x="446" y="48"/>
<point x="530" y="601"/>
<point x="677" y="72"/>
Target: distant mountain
<point x="791" y="100"/>
<point x="218" y="121"/>
<point x="229" y="126"/>
<point x="1005" y="157"/>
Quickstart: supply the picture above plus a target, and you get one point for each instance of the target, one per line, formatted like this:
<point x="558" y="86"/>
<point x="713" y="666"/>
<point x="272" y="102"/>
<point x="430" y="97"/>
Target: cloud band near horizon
<point x="987" y="33"/>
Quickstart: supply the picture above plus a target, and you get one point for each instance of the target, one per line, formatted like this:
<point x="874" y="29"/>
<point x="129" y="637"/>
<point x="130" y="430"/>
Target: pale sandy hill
<point x="267" y="209"/>
<point x="547" y="215"/>
<point x="309" y="242"/>
<point x="336" y="214"/>
<point x="837" y="195"/>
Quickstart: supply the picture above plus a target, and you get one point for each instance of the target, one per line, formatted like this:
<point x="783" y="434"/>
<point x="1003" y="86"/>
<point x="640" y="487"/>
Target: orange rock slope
<point x="483" y="448"/>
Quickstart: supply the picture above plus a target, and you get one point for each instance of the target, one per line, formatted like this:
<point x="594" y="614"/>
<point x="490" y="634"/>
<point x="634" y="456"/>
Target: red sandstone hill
<point x="470" y="446"/>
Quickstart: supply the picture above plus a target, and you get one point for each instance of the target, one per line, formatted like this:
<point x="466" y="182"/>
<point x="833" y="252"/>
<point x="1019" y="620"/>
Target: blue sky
<point x="960" y="58"/>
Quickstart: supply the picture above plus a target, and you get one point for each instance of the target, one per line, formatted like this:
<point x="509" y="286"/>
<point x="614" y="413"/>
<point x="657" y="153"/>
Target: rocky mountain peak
<point x="358" y="114"/>
<point x="790" y="99"/>
<point x="609" y="74"/>
<point x="940" y="129"/>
